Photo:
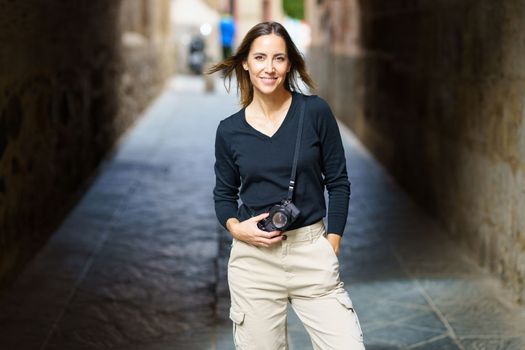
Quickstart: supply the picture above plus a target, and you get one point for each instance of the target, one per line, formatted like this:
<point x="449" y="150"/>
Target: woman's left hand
<point x="335" y="241"/>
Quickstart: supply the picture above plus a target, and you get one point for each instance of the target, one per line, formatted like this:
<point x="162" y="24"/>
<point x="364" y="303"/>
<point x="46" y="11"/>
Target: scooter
<point x="197" y="56"/>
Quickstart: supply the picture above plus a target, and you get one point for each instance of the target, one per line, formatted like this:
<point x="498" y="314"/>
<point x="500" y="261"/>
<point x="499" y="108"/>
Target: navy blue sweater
<point x="257" y="167"/>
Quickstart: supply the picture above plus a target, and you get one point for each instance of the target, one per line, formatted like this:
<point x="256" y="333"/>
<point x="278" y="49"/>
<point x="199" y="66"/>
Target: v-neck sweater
<point x="256" y="168"/>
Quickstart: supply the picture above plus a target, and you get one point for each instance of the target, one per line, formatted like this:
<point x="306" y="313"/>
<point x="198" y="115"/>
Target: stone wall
<point x="437" y="92"/>
<point x="147" y="54"/>
<point x="73" y="77"/>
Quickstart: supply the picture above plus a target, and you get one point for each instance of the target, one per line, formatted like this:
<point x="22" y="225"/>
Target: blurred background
<point x="76" y="76"/>
<point x="434" y="91"/>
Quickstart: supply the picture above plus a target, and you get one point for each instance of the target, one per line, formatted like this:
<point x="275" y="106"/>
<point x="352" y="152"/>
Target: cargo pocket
<point x="345" y="300"/>
<point x="237" y="318"/>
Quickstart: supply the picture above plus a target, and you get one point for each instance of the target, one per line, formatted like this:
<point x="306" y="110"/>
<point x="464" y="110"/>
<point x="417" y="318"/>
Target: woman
<point x="254" y="150"/>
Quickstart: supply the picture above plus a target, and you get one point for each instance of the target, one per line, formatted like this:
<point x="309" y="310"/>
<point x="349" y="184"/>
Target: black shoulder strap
<point x="297" y="147"/>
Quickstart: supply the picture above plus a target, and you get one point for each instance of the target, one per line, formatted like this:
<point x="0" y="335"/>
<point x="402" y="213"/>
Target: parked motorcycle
<point x="197" y="56"/>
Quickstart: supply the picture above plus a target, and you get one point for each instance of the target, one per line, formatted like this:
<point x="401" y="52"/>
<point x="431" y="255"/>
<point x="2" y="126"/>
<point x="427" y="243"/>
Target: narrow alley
<point x="108" y="233"/>
<point x="140" y="262"/>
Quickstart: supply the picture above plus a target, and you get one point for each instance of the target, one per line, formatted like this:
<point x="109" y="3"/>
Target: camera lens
<point x="279" y="219"/>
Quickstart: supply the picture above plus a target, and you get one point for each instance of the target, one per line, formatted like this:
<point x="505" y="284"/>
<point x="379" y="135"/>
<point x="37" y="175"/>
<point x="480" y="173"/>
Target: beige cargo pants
<point x="302" y="270"/>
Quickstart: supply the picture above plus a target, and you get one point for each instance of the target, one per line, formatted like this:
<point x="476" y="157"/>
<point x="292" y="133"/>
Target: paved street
<point x="140" y="262"/>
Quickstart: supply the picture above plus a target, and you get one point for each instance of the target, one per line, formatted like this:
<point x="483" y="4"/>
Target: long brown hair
<point x="233" y="64"/>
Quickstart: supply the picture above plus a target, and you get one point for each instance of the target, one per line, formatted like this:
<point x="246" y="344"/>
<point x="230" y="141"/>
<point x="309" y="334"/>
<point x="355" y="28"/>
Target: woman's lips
<point x="268" y="80"/>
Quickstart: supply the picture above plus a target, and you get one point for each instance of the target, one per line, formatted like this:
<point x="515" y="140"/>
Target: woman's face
<point x="267" y="63"/>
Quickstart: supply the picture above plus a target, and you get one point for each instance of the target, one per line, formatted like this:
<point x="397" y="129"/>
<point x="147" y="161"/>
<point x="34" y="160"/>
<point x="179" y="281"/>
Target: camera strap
<point x="297" y="147"/>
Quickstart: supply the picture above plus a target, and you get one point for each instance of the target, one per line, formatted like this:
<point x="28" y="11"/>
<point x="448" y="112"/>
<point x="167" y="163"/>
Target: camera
<point x="281" y="217"/>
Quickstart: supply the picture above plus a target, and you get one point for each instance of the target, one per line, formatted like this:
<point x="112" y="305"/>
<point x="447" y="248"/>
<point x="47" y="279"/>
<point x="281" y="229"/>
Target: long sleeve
<point x="252" y="170"/>
<point x="334" y="169"/>
<point x="227" y="179"/>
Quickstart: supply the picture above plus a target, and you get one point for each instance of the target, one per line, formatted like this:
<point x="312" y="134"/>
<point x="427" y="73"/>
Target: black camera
<point x="280" y="218"/>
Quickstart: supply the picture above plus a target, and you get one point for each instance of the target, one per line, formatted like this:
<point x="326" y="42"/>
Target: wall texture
<point x="436" y="89"/>
<point x="147" y="55"/>
<point x="73" y="77"/>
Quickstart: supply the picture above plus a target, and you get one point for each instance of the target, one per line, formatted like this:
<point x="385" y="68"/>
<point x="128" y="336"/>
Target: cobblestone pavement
<point x="140" y="262"/>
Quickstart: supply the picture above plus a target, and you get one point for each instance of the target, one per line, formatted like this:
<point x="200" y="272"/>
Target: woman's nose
<point x="269" y="66"/>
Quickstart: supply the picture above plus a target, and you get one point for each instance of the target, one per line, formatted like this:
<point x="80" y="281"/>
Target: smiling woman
<point x="267" y="63"/>
<point x="235" y="64"/>
<point x="278" y="154"/>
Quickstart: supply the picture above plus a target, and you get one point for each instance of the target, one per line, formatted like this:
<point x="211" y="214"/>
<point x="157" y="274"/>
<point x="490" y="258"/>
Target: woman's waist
<point x="309" y="214"/>
<point x="306" y="233"/>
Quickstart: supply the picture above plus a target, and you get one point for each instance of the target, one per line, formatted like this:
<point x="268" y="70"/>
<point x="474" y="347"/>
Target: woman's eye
<point x="258" y="58"/>
<point x="280" y="59"/>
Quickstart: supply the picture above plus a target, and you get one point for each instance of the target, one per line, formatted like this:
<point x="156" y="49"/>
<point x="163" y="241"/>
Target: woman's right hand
<point x="248" y="231"/>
